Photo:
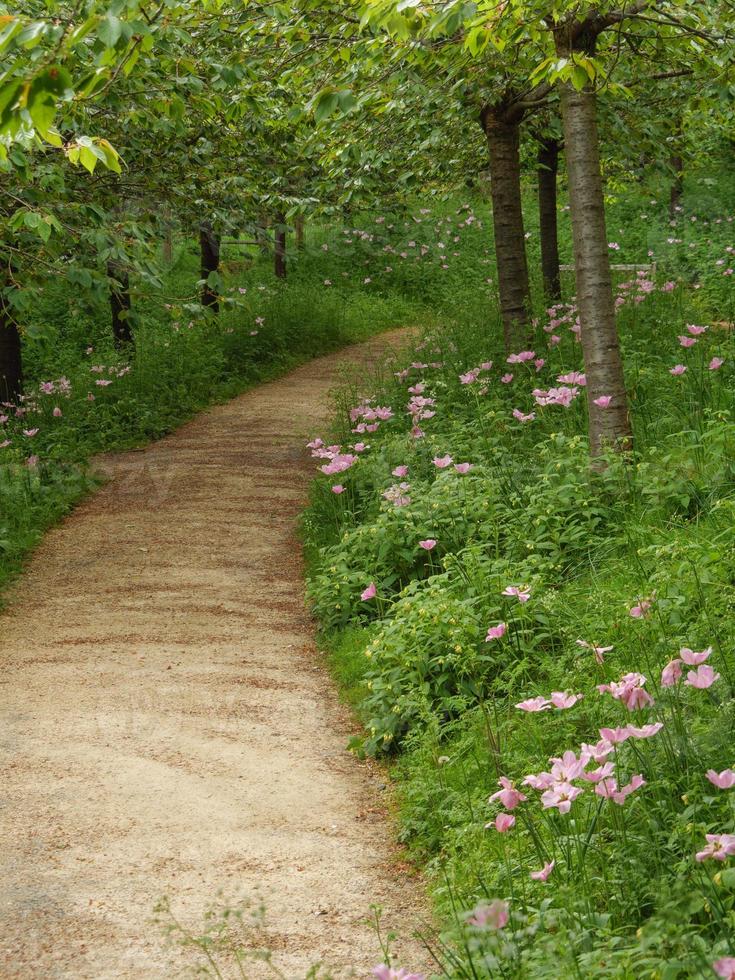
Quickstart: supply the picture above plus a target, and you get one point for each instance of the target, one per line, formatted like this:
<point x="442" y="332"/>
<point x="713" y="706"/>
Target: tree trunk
<point x="299" y="227"/>
<point x="120" y="303"/>
<point x="168" y="246"/>
<point x="280" y="250"/>
<point x="677" y="184"/>
<point x="503" y="140"/>
<point x="548" y="167"/>
<point x="209" y="245"/>
<point x="11" y="362"/>
<point x="608" y="427"/>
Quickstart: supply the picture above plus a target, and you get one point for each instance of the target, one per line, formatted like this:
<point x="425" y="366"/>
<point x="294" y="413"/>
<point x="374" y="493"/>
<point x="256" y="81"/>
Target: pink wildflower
<point x="560" y="797"/>
<point x="725" y="967"/>
<point x="522" y="592"/>
<point x="671" y="673"/>
<point x="492" y="916"/>
<point x="506" y="379"/>
<point x="696" y="331"/>
<point x="599" y="652"/>
<point x="677" y="369"/>
<point x="562" y="700"/>
<point x="441" y="462"/>
<point x="369" y="593"/>
<point x="508" y="795"/>
<point x="504" y="822"/>
<point x="338" y="488"/>
<point x="428" y="544"/>
<point x="702" y="678"/>
<point x="640" y="610"/>
<point x="603" y="401"/>
<point x="716" y="363"/>
<point x="384" y="972"/>
<point x="608" y="789"/>
<point x="602" y="772"/>
<point x="57" y="413"/>
<point x="534" y="704"/>
<point x="630" y="690"/>
<point x="719" y="847"/>
<point x="573" y="378"/>
<point x="518" y="414"/>
<point x="463" y="468"/>
<point x="692" y="659"/>
<point x="539" y="363"/>
<point x="400" y="471"/>
<point x="645" y="731"/>
<point x="687" y="341"/>
<point x="496" y="632"/>
<point x="544" y="873"/>
<point x="722" y="780"/>
<point x="30" y="433"/>
<point x="615" y="736"/>
<point x="525" y="355"/>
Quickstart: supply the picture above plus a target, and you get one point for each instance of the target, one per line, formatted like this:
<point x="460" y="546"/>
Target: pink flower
<point x="534" y="704"/>
<point x="522" y="592"/>
<point x="441" y="462"/>
<point x="369" y="593"/>
<point x="725" y="967"/>
<point x="338" y="488"/>
<point x="30" y="433"/>
<point x="702" y="678"/>
<point x="562" y="700"/>
<point x="518" y="414"/>
<point x="671" y="673"/>
<point x="103" y="382"/>
<point x="508" y="795"/>
<point x="568" y="767"/>
<point x="525" y="355"/>
<point x="677" y="369"/>
<point x="573" y="378"/>
<point x="608" y="789"/>
<point x="560" y="797"/>
<point x="641" y="610"/>
<point x="339" y="463"/>
<point x="400" y="471"/>
<point x="384" y="972"/>
<point x="615" y="736"/>
<point x="630" y="690"/>
<point x="722" y="780"/>
<point x="32" y="461"/>
<point x="602" y="772"/>
<point x="692" y="659"/>
<point x="463" y="468"/>
<point x="696" y="331"/>
<point x="645" y="731"/>
<point x="506" y="379"/>
<point x="428" y="544"/>
<point x="504" y="822"/>
<point x="544" y="873"/>
<point x="599" y="652"/>
<point x="539" y="363"/>
<point x="719" y="847"/>
<point x="603" y="401"/>
<point x="492" y="916"/>
<point x="496" y="632"/>
<point x="687" y="341"/>
<point x="57" y="413"/>
<point x="716" y="363"/>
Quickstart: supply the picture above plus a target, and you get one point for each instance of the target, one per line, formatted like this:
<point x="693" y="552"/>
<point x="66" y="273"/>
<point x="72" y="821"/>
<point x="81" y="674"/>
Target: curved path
<point x="168" y="727"/>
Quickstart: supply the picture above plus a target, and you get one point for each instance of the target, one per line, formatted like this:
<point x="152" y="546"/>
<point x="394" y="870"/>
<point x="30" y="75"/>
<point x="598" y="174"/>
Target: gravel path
<point x="168" y="727"/>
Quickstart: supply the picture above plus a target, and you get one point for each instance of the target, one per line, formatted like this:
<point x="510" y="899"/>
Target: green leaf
<point x="326" y="105"/>
<point x="109" y="30"/>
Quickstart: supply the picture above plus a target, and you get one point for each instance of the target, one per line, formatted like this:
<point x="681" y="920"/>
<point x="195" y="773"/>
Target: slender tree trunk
<point x="677" y="184"/>
<point x="609" y="427"/>
<point x="299" y="227"/>
<point x="280" y="250"/>
<point x="120" y="304"/>
<point x="11" y="361"/>
<point x="209" y="245"/>
<point x="167" y="247"/>
<point x="548" y="167"/>
<point x="503" y="140"/>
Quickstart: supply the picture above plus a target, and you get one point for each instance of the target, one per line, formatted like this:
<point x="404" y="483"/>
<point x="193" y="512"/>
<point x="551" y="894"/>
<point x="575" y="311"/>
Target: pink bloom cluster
<point x="703" y="677"/>
<point x="370" y="415"/>
<point x="555" y="396"/>
<point x="629" y="690"/>
<point x="398" y="494"/>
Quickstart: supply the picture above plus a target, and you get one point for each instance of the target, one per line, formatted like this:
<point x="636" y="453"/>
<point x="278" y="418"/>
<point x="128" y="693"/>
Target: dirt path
<point x="169" y="728"/>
